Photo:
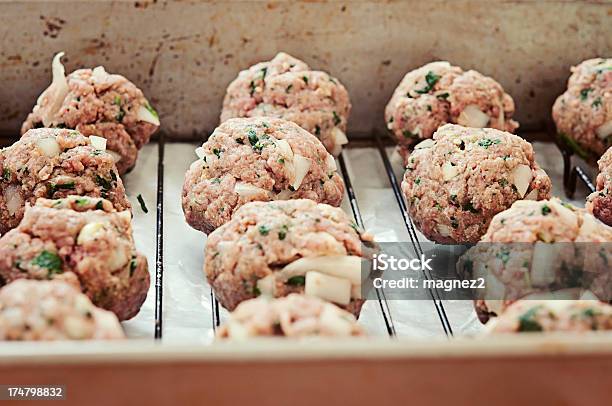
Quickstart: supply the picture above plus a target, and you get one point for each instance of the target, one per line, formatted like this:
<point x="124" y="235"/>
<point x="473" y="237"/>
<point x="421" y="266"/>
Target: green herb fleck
<point x="299" y="280"/>
<point x="431" y="79"/>
<point x="151" y="110"/>
<point x="584" y="93"/>
<point x="50" y="261"/>
<point x="6" y="174"/>
<point x="442" y="96"/>
<point x="99" y="205"/>
<point x="143" y="206"/>
<point x="82" y="201"/>
<point x="597" y="102"/>
<point x="545" y="210"/>
<point x="417" y="181"/>
<point x="305" y="79"/>
<point x="337" y="119"/>
<point x="217" y="152"/>
<point x="133" y="265"/>
<point x="527" y="322"/>
<point x="469" y="207"/>
<point x="409" y="134"/>
<point x="264" y="230"/>
<point x="283" y="232"/>
<point x="487" y="142"/>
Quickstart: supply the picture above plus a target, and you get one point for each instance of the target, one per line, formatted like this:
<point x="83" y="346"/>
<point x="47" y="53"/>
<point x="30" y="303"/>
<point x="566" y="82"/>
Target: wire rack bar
<point x="215" y="310"/>
<point x="435" y="296"/>
<point x="380" y="294"/>
<point x="159" y="253"/>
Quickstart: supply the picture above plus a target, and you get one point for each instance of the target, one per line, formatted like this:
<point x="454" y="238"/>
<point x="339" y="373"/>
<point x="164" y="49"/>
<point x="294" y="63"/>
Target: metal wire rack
<point x="571" y="174"/>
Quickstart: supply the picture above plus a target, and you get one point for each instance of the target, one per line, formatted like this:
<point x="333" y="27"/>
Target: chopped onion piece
<point x="302" y="166"/>
<point x="126" y="215"/>
<point x="567" y="215"/>
<point x="341" y="266"/>
<point x="449" y="171"/>
<point x="284" y="195"/>
<point x="356" y="292"/>
<point x="98" y="142"/>
<point x="428" y="143"/>
<point x="543" y="263"/>
<point x="605" y="130"/>
<point x="285" y="148"/>
<point x="50" y="101"/>
<point x="444" y="230"/>
<point x="330" y="162"/>
<point x="267" y="285"/>
<point x="589" y="225"/>
<point x="143" y="114"/>
<point x="339" y="138"/>
<point x="199" y="151"/>
<point x="99" y="74"/>
<point x="115" y="155"/>
<point x="118" y="258"/>
<point x="330" y="288"/>
<point x="335" y="323"/>
<point x="471" y="116"/>
<point x="521" y="178"/>
<point x="13" y="199"/>
<point x="90" y="232"/>
<point x="49" y="146"/>
<point x="249" y="191"/>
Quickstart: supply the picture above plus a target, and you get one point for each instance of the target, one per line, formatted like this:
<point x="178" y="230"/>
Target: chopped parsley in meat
<point x="299" y="280"/>
<point x="584" y="93"/>
<point x="264" y="230"/>
<point x="528" y="322"/>
<point x="487" y="142"/>
<point x="336" y="118"/>
<point x="431" y="79"/>
<point x="50" y="261"/>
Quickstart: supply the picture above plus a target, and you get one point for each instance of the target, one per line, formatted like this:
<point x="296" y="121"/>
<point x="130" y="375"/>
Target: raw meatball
<point x="553" y="315"/>
<point x="600" y="202"/>
<point x="52" y="310"/>
<point x="95" y="102"/>
<point x="583" y="114"/>
<point x="455" y="183"/>
<point x="439" y="93"/>
<point x="262" y="159"/>
<point x="539" y="247"/>
<point x="286" y="87"/>
<point x="87" y="237"/>
<point x="292" y="316"/>
<point x="55" y="163"/>
<point x="292" y="246"/>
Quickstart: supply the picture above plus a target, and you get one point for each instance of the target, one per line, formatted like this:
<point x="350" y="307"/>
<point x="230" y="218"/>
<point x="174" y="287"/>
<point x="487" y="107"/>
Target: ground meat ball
<point x="292" y="316"/>
<point x="538" y="247"/>
<point x="292" y="246"/>
<point x="52" y="310"/>
<point x="455" y="183"/>
<point x="553" y="315"/>
<point x="87" y="237"/>
<point x="286" y="87"/>
<point x="256" y="159"/>
<point x="54" y="163"/>
<point x="439" y="93"/>
<point x="583" y="114"/>
<point x="600" y="202"/>
<point x="95" y="102"/>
